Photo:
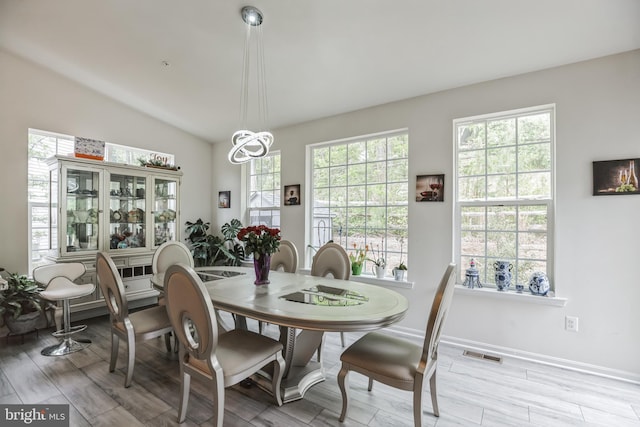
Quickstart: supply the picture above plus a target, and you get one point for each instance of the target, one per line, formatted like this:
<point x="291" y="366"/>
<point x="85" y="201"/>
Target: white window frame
<point x="390" y="250"/>
<point x="253" y="186"/>
<point x="547" y="202"/>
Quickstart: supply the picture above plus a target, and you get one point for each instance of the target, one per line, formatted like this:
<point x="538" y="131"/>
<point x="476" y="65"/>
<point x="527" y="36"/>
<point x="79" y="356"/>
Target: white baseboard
<point x="543" y="359"/>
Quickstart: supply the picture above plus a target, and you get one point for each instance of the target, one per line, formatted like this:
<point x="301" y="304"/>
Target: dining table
<point x="304" y="307"/>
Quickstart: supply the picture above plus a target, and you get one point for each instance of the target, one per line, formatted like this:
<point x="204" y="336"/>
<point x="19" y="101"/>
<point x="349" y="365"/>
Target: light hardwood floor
<point x="471" y="392"/>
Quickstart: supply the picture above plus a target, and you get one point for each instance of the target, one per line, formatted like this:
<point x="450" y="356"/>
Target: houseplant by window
<point x="399" y="271"/>
<point x="379" y="263"/>
<point x="357" y="258"/>
<point x="20" y="304"/>
<point x="261" y="241"/>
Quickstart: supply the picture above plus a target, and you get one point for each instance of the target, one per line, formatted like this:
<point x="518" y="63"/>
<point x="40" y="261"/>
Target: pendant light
<point x="247" y="144"/>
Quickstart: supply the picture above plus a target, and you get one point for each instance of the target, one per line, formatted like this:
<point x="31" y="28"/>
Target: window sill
<point x="367" y="278"/>
<point x="527" y="298"/>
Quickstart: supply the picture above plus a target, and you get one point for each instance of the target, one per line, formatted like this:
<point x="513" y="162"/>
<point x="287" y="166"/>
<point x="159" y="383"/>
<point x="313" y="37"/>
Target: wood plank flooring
<point x="471" y="391"/>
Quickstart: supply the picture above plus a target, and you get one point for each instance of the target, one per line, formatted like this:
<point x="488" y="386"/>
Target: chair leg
<point x="343" y="383"/>
<point x="131" y="358"/>
<point x="278" y="370"/>
<point x="185" y="385"/>
<point x="417" y="401"/>
<point x="434" y="393"/>
<point x="370" y="386"/>
<point x="218" y="400"/>
<point x="115" y="342"/>
<point x="342" y="339"/>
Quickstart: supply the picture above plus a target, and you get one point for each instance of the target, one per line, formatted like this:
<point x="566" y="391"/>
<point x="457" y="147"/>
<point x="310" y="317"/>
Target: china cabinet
<point x="127" y="211"/>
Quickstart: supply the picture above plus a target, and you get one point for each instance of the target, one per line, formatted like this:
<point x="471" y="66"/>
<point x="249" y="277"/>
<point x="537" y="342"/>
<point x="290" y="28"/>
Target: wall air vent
<point x="482" y="356"/>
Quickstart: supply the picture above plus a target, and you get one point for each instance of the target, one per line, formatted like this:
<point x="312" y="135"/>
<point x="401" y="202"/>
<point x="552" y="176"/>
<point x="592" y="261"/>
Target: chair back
<point x="439" y="311"/>
<point x="331" y="259"/>
<point x="190" y="311"/>
<point x="71" y="270"/>
<point x="170" y="253"/>
<point x="286" y="258"/>
<point x="111" y="287"/>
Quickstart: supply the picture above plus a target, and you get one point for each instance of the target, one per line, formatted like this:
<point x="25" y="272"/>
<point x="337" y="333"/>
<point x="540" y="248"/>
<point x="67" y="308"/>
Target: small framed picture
<point x="224" y="199"/>
<point x="292" y="195"/>
<point x="430" y="188"/>
<point x="615" y="177"/>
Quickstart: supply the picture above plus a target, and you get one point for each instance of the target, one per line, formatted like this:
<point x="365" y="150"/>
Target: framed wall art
<point x="224" y="199"/>
<point x="430" y="188"/>
<point x="615" y="177"/>
<point x="292" y="195"/>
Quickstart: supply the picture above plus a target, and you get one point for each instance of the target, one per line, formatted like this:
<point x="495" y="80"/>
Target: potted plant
<point x="399" y="271"/>
<point x="357" y="258"/>
<point x="380" y="264"/>
<point x="20" y="304"/>
<point x="208" y="249"/>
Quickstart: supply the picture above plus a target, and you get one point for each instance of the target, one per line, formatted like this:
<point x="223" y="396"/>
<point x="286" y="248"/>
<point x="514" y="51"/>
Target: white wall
<point x="32" y="97"/>
<point x="597" y="111"/>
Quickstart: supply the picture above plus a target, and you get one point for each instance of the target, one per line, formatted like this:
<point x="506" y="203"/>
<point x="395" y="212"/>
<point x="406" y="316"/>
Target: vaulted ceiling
<point x="180" y="61"/>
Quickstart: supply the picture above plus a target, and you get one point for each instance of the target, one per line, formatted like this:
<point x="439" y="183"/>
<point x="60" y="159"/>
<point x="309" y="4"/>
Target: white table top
<point x="239" y="295"/>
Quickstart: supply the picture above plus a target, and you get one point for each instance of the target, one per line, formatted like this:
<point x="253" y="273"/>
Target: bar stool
<point x="57" y="280"/>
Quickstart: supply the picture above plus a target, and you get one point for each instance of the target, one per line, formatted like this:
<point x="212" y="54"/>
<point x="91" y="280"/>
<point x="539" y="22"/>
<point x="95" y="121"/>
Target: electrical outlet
<point x="571" y="323"/>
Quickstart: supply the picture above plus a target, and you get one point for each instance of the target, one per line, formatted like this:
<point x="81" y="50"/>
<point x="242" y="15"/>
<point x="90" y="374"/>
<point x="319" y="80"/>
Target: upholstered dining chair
<point x="58" y="282"/>
<point x="400" y="363"/>
<point x="331" y="260"/>
<point x="220" y="359"/>
<point x="167" y="254"/>
<point x="130" y="327"/>
<point x="284" y="259"/>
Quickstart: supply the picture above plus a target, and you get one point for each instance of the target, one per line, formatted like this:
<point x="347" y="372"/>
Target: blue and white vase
<point x="503" y="274"/>
<point x="539" y="283"/>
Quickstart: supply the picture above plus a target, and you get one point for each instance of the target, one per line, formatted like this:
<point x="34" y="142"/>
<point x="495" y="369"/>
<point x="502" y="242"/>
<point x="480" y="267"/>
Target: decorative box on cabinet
<point x="127" y="211"/>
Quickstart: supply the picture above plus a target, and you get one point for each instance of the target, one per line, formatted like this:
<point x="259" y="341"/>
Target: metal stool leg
<point x="67" y="345"/>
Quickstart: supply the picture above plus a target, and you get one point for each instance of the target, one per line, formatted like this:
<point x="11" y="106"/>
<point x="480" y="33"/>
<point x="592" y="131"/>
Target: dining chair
<point x="167" y="254"/>
<point x="58" y="283"/>
<point x="285" y="259"/>
<point x="400" y="363"/>
<point x="220" y="359"/>
<point x="130" y="327"/>
<point x="331" y="260"/>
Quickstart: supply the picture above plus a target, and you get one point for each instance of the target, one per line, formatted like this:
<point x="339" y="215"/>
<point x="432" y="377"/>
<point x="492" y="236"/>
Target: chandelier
<point x="246" y="144"/>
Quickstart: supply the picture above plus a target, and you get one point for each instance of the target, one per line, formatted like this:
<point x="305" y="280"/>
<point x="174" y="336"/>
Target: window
<point x="41" y="146"/>
<point x="359" y="195"/>
<point x="263" y="190"/>
<point x="504" y="192"/>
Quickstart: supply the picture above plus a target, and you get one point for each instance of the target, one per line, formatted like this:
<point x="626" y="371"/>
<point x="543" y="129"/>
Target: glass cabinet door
<point x="165" y="206"/>
<point x="82" y="203"/>
<point x="127" y="204"/>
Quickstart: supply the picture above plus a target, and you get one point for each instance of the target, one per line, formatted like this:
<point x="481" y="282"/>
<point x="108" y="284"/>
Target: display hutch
<point x="127" y="211"/>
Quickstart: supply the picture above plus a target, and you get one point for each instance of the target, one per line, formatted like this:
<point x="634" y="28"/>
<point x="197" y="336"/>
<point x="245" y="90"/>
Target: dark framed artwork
<point x="430" y="188"/>
<point x="292" y="195"/>
<point x="615" y="177"/>
<point x="224" y="199"/>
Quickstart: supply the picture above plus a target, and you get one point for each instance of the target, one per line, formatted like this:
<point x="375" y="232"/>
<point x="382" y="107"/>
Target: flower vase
<point x="262" y="265"/>
<point x="380" y="270"/>
<point x="356" y="268"/>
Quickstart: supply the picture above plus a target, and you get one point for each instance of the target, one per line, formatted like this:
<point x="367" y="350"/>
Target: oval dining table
<point x="304" y="307"/>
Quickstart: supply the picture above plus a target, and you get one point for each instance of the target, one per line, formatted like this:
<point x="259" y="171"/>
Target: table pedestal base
<point x="301" y="372"/>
